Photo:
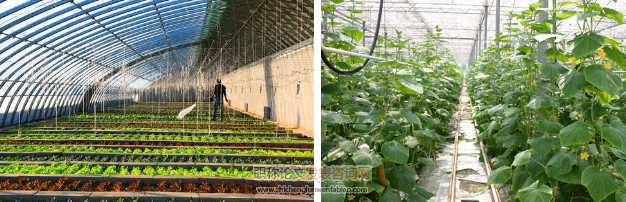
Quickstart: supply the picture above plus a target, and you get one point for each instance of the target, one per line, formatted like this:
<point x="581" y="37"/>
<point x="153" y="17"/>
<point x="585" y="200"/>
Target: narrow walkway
<point x="471" y="175"/>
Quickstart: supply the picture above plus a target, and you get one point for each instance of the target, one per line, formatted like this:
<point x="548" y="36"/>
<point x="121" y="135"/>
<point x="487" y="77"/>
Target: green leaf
<point x="409" y="86"/>
<point x="586" y="15"/>
<point x="536" y="192"/>
<point x="560" y="163"/>
<point x="331" y="88"/>
<point x="519" y="179"/>
<point x="521" y="158"/>
<point x="552" y="69"/>
<point x="600" y="183"/>
<point x="332" y="197"/>
<point x="620" y="167"/>
<point x="620" y="194"/>
<point x="345" y="144"/>
<point x="603" y="79"/>
<point x="539" y="102"/>
<point x="566" y="14"/>
<point x="500" y="175"/>
<point x="402" y="178"/>
<point x="572" y="82"/>
<point x="576" y="133"/>
<point x="355" y="34"/>
<point x="325" y="99"/>
<point x="337" y="1"/>
<point x="420" y="195"/>
<point x="396" y="152"/>
<point x="614" y="133"/>
<point x="613" y="14"/>
<point x="334" y="117"/>
<point x="390" y="195"/>
<point x="410" y="117"/>
<point x="587" y="43"/>
<point x="550" y="127"/>
<point x="365" y="157"/>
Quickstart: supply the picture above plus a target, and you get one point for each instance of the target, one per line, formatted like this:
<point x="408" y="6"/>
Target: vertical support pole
<point x="541" y="58"/>
<point x="486" y="17"/>
<point x="497" y="21"/>
<point x="480" y="39"/>
<point x="363" y="32"/>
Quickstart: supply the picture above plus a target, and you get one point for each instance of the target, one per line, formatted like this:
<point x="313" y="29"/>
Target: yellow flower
<point x="506" y="56"/>
<point x="601" y="53"/>
<point x="584" y="156"/>
<point x="497" y="79"/>
<point x="351" y="197"/>
<point x="527" y="75"/>
<point x="600" y="155"/>
<point x="523" y="91"/>
<point x="382" y="120"/>
<point x="533" y="82"/>
<point x="604" y="93"/>
<point x="579" y="115"/>
<point x="330" y="57"/>
<point x="399" y="98"/>
<point x="380" y="80"/>
<point x="564" y="53"/>
<point x="540" y="71"/>
<point x="573" y="61"/>
<point x="607" y="65"/>
<point x="345" y="85"/>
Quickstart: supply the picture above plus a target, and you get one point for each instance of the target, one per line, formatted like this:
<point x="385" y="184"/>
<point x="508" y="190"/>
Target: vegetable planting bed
<point x="131" y="155"/>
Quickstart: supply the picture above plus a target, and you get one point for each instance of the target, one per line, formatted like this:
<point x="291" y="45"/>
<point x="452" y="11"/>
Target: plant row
<point x="88" y="169"/>
<point x="183" y="150"/>
<point x="554" y="127"/>
<point x="157" y="158"/>
<point x="191" y="117"/>
<point x="147" y="129"/>
<point x="126" y="143"/>
<point x="66" y="184"/>
<point x="398" y="109"/>
<point x="154" y="137"/>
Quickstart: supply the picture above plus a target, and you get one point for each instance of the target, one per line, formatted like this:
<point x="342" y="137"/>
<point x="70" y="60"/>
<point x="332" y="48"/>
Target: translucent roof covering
<point x="460" y="20"/>
<point x="53" y="51"/>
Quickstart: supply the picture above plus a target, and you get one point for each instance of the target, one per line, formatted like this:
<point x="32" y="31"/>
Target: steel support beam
<point x="497" y="21"/>
<point x="486" y="17"/>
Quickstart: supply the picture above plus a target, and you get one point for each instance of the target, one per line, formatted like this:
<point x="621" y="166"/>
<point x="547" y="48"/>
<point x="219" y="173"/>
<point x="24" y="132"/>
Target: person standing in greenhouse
<point x="218" y="92"/>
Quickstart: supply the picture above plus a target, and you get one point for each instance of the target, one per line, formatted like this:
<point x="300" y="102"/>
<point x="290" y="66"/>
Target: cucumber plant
<point x="396" y="110"/>
<point x="555" y="128"/>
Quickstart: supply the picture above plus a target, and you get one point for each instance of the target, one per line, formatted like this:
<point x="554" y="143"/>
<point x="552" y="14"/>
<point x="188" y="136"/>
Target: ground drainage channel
<point x="463" y="154"/>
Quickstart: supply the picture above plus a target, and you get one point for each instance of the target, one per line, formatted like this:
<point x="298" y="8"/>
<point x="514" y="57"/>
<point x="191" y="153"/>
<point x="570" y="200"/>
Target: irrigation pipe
<point x="375" y="39"/>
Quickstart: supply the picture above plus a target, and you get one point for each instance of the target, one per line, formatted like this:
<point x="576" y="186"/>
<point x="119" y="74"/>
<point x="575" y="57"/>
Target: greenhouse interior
<point x="483" y="100"/>
<point x="154" y="100"/>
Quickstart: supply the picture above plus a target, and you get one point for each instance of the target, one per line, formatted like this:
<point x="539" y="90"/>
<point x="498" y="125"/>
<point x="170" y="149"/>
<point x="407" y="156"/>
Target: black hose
<point x="332" y="67"/>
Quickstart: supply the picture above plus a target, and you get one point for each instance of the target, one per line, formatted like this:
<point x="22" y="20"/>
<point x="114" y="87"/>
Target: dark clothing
<point x="219" y="90"/>
<point x="217" y="102"/>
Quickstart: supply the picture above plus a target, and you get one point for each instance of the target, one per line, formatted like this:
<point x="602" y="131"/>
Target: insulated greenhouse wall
<point x="273" y="81"/>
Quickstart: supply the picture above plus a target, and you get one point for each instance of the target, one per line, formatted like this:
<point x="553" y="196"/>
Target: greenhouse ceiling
<point x="460" y="21"/>
<point x="135" y="42"/>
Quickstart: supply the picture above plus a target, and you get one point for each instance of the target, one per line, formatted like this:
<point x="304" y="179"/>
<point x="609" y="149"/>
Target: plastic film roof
<point x="52" y="51"/>
<point x="460" y="20"/>
<point x="241" y="32"/>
